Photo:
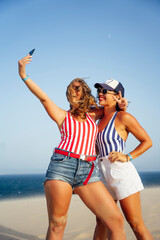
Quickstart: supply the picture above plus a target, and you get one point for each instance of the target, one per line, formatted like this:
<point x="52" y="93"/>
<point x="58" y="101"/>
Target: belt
<point x="75" y="155"/>
<point x="82" y="157"/>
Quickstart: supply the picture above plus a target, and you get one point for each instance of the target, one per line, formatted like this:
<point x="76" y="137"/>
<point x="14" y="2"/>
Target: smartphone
<point x="32" y="51"/>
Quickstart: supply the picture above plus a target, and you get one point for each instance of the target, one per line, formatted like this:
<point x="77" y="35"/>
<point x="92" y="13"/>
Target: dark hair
<point x="118" y="108"/>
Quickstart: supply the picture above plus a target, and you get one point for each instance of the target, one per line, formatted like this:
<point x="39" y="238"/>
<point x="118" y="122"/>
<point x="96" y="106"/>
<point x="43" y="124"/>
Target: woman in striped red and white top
<point x="73" y="165"/>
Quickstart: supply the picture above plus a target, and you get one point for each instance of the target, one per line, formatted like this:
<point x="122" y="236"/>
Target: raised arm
<point x="56" y="113"/>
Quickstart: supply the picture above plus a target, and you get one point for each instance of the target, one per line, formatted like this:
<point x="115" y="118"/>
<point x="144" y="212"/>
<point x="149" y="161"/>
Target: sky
<point x="92" y="39"/>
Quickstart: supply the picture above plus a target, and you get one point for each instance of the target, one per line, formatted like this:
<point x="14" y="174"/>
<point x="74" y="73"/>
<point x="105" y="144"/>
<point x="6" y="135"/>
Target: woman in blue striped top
<point x="118" y="173"/>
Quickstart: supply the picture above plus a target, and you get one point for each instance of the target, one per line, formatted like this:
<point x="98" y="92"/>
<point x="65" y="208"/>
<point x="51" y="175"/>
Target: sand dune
<point x="26" y="218"/>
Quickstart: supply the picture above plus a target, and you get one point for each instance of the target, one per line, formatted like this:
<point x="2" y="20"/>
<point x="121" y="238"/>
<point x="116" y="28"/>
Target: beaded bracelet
<point x="24" y="79"/>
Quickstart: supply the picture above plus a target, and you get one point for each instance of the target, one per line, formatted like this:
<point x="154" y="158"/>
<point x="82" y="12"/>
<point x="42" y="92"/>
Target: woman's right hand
<point x="117" y="156"/>
<point x="21" y="65"/>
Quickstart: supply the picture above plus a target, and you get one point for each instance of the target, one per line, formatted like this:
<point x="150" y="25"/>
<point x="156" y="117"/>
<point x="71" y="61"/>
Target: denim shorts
<point x="71" y="170"/>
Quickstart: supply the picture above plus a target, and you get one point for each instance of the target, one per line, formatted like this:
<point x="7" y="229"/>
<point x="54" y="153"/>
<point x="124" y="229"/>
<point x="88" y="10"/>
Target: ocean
<point x="30" y="185"/>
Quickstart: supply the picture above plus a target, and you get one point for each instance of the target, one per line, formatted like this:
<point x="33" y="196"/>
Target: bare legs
<point x="58" y="196"/>
<point x="100" y="202"/>
<point x="131" y="207"/>
<point x="101" y="232"/>
<point x="96" y="198"/>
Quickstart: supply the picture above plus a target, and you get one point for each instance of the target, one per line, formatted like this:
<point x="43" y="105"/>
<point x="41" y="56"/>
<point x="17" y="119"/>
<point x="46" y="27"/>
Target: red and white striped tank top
<point x="78" y="137"/>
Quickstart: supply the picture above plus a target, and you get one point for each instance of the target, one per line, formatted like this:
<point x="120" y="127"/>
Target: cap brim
<point x="103" y="85"/>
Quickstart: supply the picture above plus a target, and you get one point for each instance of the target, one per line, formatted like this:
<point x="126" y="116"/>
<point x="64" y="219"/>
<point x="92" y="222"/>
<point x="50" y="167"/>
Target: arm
<point x="56" y="113"/>
<point x="96" y="113"/>
<point x="131" y="125"/>
<point x="136" y="129"/>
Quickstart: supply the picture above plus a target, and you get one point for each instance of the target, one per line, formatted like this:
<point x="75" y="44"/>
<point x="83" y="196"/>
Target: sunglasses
<point x="77" y="88"/>
<point x="105" y="91"/>
<point x="102" y="90"/>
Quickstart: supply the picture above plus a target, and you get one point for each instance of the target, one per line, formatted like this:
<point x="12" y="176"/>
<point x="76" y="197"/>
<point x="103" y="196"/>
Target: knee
<point x="57" y="224"/>
<point x="118" y="221"/>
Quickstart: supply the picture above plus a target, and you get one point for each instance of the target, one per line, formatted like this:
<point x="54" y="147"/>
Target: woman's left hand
<point x="122" y="102"/>
<point x="117" y="156"/>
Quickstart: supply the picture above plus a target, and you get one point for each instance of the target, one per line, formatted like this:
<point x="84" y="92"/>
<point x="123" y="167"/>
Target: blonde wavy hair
<point x="81" y="107"/>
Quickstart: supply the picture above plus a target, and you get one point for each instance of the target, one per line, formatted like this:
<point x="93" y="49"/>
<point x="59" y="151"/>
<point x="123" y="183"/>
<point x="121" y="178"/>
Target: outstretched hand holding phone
<point x="22" y="63"/>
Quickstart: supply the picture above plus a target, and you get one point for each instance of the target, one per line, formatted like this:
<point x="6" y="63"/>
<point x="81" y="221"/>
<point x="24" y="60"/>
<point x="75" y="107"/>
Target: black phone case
<point x="31" y="52"/>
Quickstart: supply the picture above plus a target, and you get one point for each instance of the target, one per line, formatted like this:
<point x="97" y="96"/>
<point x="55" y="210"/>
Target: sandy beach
<point x="24" y="219"/>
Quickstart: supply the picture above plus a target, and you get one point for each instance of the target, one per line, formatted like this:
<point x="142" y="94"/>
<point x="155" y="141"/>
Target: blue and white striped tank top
<point x="108" y="139"/>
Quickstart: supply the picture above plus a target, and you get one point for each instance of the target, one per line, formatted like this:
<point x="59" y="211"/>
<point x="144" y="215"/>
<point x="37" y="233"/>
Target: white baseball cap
<point x="112" y="85"/>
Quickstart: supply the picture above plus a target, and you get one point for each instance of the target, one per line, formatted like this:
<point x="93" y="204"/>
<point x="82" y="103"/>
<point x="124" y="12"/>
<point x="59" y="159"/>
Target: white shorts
<point x="120" y="178"/>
